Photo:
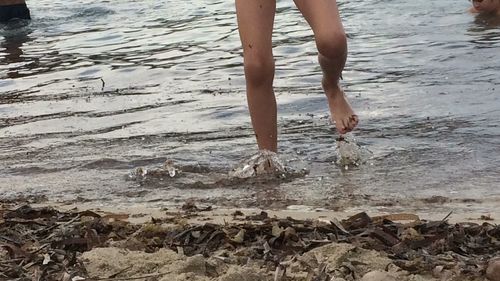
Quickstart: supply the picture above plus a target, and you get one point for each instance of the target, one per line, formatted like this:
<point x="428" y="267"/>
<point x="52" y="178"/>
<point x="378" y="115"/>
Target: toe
<point x="347" y="126"/>
<point x="341" y="128"/>
<point x="354" y="120"/>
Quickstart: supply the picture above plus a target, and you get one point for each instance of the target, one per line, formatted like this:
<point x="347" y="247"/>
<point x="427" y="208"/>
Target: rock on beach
<point x="493" y="270"/>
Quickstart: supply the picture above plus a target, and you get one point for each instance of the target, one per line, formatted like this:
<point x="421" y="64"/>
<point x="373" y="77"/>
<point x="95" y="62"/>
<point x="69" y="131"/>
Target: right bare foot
<point x="341" y="111"/>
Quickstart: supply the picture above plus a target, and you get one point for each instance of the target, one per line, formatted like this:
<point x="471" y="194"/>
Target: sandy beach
<point x="198" y="242"/>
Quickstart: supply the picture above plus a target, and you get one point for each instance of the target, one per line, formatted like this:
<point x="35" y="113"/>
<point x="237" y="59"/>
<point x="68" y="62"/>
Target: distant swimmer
<point x="486" y="7"/>
<point x="13" y="9"/>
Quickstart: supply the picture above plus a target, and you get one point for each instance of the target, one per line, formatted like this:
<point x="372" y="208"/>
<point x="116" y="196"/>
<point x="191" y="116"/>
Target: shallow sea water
<point x="92" y="90"/>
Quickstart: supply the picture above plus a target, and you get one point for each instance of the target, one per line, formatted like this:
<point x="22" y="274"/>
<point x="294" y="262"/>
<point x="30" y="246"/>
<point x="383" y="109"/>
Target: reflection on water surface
<point x="90" y="90"/>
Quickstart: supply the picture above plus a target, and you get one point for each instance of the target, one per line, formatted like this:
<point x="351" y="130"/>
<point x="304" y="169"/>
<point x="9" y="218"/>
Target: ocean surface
<point x="92" y="90"/>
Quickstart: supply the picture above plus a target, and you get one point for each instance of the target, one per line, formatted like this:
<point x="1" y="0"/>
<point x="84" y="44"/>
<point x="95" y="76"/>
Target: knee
<point x="332" y="45"/>
<point x="259" y="70"/>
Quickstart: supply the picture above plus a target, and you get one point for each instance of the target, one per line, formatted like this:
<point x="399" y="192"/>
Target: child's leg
<point x="324" y="19"/>
<point x="255" y="23"/>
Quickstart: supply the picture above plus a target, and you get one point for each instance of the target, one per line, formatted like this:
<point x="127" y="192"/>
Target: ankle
<point x="331" y="88"/>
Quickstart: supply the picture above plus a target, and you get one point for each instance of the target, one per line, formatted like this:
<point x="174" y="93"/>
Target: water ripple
<point x="93" y="86"/>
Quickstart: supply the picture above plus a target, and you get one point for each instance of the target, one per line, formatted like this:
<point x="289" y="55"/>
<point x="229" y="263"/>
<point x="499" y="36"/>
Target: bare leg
<point x="255" y="23"/>
<point x="324" y="19"/>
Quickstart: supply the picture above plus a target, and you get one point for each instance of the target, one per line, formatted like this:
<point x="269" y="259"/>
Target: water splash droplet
<point x="169" y="167"/>
<point x="262" y="163"/>
<point x="350" y="153"/>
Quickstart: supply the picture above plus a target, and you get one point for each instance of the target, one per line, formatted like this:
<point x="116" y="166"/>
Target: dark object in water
<point x="18" y="11"/>
<point x="340" y="138"/>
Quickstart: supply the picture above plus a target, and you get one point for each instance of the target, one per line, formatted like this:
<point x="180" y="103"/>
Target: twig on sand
<point x="119" y="272"/>
<point x="9" y="261"/>
<point x="447" y="216"/>
<point x="77" y="217"/>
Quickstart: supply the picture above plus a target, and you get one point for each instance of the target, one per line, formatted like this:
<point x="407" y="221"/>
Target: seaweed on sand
<point x="44" y="243"/>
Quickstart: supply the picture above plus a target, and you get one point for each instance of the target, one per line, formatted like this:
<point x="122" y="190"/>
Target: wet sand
<point x="143" y="213"/>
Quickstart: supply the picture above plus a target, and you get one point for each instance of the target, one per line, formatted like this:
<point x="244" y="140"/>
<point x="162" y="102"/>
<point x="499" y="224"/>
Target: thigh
<point x="255" y="24"/>
<point x="322" y="15"/>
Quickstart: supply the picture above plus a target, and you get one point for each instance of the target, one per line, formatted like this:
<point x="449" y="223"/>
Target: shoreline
<point x="140" y="213"/>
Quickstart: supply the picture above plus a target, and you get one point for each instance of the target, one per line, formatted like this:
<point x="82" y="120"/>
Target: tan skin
<point x="487" y="7"/>
<point x="255" y="22"/>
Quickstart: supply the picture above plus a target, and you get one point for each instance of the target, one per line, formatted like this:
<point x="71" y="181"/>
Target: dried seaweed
<point x="44" y="243"/>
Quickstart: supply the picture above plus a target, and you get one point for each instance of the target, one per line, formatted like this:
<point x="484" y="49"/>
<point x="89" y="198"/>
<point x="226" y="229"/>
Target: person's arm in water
<point x="13" y="9"/>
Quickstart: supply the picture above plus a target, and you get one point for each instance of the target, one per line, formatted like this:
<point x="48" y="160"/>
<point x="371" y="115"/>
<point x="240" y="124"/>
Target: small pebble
<point x="436" y="272"/>
<point x="493" y="270"/>
<point x="195" y="264"/>
<point x="378" y="276"/>
<point x="4" y="254"/>
<point x="441" y="273"/>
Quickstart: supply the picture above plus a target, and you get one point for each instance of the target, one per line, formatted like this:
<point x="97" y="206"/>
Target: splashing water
<point x="350" y="153"/>
<point x="169" y="167"/>
<point x="263" y="163"/>
<point x="167" y="170"/>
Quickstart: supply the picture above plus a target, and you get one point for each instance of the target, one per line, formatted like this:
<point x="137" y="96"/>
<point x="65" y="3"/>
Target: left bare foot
<point x="341" y="111"/>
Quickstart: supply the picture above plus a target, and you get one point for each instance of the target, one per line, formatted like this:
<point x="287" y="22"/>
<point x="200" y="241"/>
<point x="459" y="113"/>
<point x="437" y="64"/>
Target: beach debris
<point x="190" y="206"/>
<point x="349" y="153"/>
<point x="265" y="162"/>
<point x="263" y="215"/>
<point x="237" y="213"/>
<point x="53" y="245"/>
<point x="486" y="218"/>
<point x="240" y="237"/>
